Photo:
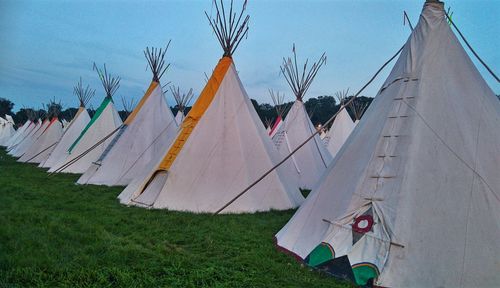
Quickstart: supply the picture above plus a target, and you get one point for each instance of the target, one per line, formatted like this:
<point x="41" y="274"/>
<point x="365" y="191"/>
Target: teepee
<point x="25" y="144"/>
<point x="182" y="100"/>
<point x="310" y="160"/>
<point x="73" y="129"/>
<point x="341" y="128"/>
<point x="281" y="109"/>
<point x="144" y="136"/>
<point x="27" y="128"/>
<point x="47" y="140"/>
<point x="7" y="130"/>
<point x="96" y="136"/>
<point x="221" y="149"/>
<point x="413" y="198"/>
<point x="20" y="130"/>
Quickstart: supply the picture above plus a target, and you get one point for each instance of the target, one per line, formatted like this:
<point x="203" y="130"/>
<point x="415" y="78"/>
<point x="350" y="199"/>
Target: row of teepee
<point x="408" y="196"/>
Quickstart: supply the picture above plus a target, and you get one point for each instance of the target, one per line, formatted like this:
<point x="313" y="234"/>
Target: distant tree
<point x="91" y="111"/>
<point x="123" y="114"/>
<point x="21" y="116"/>
<point x="363" y="99"/>
<point x="321" y="109"/>
<point x="68" y="114"/>
<point x="6" y="107"/>
<point x="267" y="111"/>
<point x="54" y="109"/>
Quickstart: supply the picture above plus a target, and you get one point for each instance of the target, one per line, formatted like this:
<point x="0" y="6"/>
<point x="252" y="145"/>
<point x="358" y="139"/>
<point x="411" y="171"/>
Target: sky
<point x="46" y="46"/>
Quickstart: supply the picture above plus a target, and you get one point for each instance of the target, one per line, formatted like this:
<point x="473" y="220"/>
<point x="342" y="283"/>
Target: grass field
<point x="54" y="233"/>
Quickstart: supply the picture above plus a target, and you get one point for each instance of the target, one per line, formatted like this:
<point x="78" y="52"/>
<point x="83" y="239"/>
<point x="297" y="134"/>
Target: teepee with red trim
<point x="48" y="138"/>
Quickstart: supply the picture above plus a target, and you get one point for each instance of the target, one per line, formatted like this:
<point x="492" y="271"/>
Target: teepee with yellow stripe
<point x="143" y="137"/>
<point x="221" y="149"/>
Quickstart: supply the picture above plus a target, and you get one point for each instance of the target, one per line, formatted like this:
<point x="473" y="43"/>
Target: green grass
<point x="54" y="233"/>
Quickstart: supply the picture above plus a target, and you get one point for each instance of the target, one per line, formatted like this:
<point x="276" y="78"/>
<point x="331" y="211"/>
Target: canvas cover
<point x="25" y="132"/>
<point x="339" y="132"/>
<point x="16" y="135"/>
<point x="224" y="147"/>
<point x="179" y="117"/>
<point x="413" y="198"/>
<point x="32" y="138"/>
<point x="105" y="121"/>
<point x="6" y="130"/>
<point x="71" y="133"/>
<point x="311" y="160"/>
<point x="139" y="146"/>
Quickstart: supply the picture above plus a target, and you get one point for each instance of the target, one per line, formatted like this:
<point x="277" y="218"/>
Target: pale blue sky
<point x="47" y="45"/>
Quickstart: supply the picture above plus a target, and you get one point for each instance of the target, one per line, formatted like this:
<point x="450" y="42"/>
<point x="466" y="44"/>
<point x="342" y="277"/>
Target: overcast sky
<point x="47" y="45"/>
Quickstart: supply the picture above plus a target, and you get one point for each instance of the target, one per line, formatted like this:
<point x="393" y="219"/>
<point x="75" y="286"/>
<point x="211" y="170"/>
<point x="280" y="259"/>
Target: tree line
<point x="320" y="109"/>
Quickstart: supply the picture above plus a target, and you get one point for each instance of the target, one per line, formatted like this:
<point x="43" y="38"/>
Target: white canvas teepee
<point x="98" y="133"/>
<point x="7" y="130"/>
<point x="48" y="138"/>
<point x="73" y="129"/>
<point x="28" y="128"/>
<point x="45" y="143"/>
<point x="30" y="139"/>
<point x="341" y="128"/>
<point x="413" y="197"/>
<point x="182" y="101"/>
<point x="142" y="140"/>
<point x="18" y="134"/>
<point x="310" y="160"/>
<point x="221" y="149"/>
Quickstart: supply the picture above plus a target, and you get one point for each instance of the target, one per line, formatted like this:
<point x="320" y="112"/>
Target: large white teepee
<point x="98" y="133"/>
<point x="221" y="149"/>
<point x="142" y="140"/>
<point x="341" y="128"/>
<point x="73" y="129"/>
<point x="413" y="197"/>
<point x="182" y="100"/>
<point x="310" y="160"/>
<point x="7" y="130"/>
